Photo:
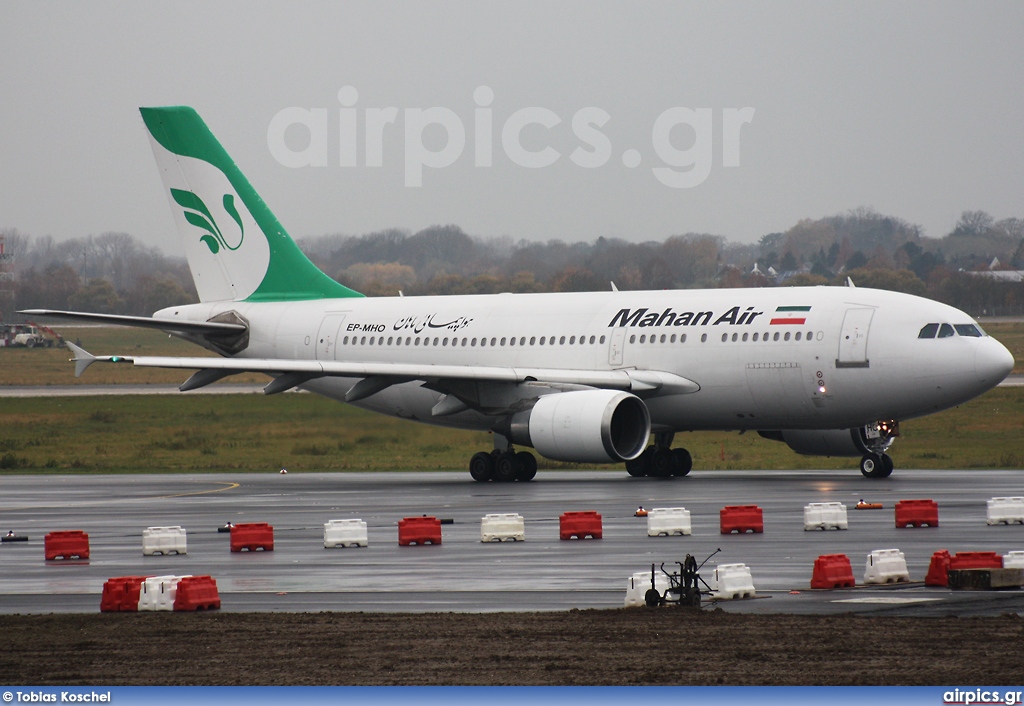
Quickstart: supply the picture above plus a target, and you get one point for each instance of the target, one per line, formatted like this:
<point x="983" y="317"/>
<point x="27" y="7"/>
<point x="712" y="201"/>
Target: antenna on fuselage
<point x="849" y="282"/>
<point x="614" y="288"/>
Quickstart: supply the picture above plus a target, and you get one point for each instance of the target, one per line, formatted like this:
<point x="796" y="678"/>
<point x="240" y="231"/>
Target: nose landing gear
<point x="874" y="465"/>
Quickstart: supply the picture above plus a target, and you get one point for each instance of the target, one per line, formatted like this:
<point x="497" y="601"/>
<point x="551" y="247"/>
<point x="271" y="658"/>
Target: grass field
<point x="303" y="432"/>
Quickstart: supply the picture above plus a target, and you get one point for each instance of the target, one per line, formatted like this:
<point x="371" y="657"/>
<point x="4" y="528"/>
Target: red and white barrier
<point x="731" y="581"/>
<point x="639" y="583"/>
<point x="886" y="566"/>
<point x="499" y="527"/>
<point x="164" y="540"/>
<point x="1005" y="511"/>
<point x="825" y="516"/>
<point x="668" y="521"/>
<point x="345" y="533"/>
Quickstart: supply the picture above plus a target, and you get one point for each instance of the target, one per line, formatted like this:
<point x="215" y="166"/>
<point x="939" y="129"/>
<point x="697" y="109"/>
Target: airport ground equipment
<point x="638" y="585"/>
<point x="732" y="581"/>
<point x="121" y="594"/>
<point x="196" y="593"/>
<point x="832" y="571"/>
<point x="917" y="513"/>
<point x="499" y="527"/>
<point x="938" y="569"/>
<point x="741" y="518"/>
<point x="164" y="540"/>
<point x="684" y="586"/>
<point x="419" y="531"/>
<point x="886" y="566"/>
<point x="252" y="536"/>
<point x="668" y="521"/>
<point x="158" y="593"/>
<point x="580" y="525"/>
<point x="67" y="545"/>
<point x="1013" y="560"/>
<point x="825" y="516"/>
<point x="1005" y="511"/>
<point x="345" y="533"/>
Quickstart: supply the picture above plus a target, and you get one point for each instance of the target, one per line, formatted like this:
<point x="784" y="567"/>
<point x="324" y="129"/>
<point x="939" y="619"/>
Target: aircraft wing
<point x="378" y="376"/>
<point x="204" y="327"/>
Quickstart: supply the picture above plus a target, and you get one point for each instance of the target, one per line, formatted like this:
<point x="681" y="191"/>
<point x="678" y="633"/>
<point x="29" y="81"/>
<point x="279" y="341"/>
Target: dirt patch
<point x="589" y="647"/>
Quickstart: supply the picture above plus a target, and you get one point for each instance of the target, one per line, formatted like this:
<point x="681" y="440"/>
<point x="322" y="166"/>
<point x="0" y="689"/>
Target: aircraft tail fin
<point x="236" y="248"/>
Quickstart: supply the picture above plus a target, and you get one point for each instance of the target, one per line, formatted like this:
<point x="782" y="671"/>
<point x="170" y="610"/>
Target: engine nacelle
<point x="588" y="426"/>
<point x="874" y="438"/>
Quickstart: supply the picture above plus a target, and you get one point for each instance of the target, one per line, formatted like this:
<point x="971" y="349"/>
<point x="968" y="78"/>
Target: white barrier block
<point x="1013" y="560"/>
<point x="499" y="527"/>
<point x="638" y="585"/>
<point x="164" y="540"/>
<point x="158" y="592"/>
<point x="345" y="533"/>
<point x="730" y="581"/>
<point x="667" y="521"/>
<point x="1005" y="511"/>
<point x="825" y="516"/>
<point x="886" y="566"/>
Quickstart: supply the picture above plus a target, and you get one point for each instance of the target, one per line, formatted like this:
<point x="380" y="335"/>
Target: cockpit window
<point x="929" y="331"/>
<point x="967" y="330"/>
<point x="945" y="331"/>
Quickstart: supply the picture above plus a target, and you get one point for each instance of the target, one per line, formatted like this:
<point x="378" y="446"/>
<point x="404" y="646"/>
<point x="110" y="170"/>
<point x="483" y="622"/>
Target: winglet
<point x="82" y="360"/>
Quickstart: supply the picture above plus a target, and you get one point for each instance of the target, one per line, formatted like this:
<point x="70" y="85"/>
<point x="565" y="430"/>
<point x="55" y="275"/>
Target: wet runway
<point x="463" y="574"/>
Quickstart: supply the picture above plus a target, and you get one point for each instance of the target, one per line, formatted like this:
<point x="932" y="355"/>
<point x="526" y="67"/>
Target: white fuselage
<point x="782" y="358"/>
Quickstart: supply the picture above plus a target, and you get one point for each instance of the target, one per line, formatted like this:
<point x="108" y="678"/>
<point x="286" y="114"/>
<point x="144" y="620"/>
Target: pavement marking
<point x="227" y="486"/>
<point x="886" y="600"/>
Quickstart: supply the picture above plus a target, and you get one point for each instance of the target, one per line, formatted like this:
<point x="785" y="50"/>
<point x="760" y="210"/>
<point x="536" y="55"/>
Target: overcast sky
<point x="914" y="109"/>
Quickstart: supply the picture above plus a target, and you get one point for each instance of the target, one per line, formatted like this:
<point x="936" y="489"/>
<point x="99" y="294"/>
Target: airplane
<point x="581" y="377"/>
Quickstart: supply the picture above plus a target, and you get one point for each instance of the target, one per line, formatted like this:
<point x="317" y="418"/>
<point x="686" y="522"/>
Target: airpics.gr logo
<point x="199" y="215"/>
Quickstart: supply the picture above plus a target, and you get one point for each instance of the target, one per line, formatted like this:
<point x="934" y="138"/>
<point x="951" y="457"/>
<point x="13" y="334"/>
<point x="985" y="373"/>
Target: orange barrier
<point x="252" y="536"/>
<point x="419" y="530"/>
<point x="938" y="569"/>
<point x="197" y="593"/>
<point x="121" y="593"/>
<point x="975" y="560"/>
<point x="741" y="518"/>
<point x="72" y="543"/>
<point x="832" y="571"/>
<point x="917" y="513"/>
<point x="580" y="525"/>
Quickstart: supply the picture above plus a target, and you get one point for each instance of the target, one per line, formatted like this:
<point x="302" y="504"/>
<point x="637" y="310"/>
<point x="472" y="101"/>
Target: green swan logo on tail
<point x="199" y="215"/>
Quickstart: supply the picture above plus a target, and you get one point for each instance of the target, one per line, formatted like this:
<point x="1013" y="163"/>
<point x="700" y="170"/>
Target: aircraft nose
<point x="992" y="362"/>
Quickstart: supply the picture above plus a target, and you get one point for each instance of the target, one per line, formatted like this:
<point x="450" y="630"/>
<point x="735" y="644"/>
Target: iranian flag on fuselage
<point x="790" y="315"/>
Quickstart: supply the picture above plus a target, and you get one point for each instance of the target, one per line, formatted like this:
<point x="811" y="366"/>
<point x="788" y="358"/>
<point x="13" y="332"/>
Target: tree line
<point x="114" y="273"/>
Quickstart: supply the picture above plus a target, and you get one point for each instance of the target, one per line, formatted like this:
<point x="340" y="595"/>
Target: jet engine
<point x="585" y="426"/>
<point x="873" y="438"/>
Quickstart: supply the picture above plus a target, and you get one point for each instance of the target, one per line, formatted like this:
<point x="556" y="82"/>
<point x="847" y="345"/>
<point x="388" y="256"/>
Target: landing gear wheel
<point x="506" y="467"/>
<point x="652" y="598"/>
<point x="527" y="466"/>
<point x="684" y="462"/>
<point x="637" y="467"/>
<point x="481" y="466"/>
<point x="662" y="461"/>
<point x="872" y="466"/>
<point x="887" y="466"/>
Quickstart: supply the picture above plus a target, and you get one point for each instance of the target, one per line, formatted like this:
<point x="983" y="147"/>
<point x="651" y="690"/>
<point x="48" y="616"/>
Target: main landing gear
<point x="503" y="466"/>
<point x="660" y="460"/>
<point x="876" y="465"/>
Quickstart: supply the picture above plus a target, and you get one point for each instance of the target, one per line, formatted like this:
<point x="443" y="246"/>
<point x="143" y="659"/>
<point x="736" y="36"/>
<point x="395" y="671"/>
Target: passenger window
<point x="776" y="336"/>
<point x="561" y="341"/>
<point x="473" y="342"/>
<point x="755" y="337"/>
<point x="682" y="339"/>
<point x="798" y="334"/>
<point x="542" y="340"/>
<point x="734" y="337"/>
<point x="725" y="337"/>
<point x="703" y="338"/>
<point x="390" y="339"/>
<point x="967" y="330"/>
<point x="408" y="340"/>
<point x="591" y="340"/>
<point x="808" y="335"/>
<point x="945" y="331"/>
<point x="643" y="339"/>
<point x="435" y="341"/>
<point x="632" y="339"/>
<point x="493" y="341"/>
<point x="533" y="340"/>
<point x="662" y="338"/>
<point x="786" y="337"/>
<point x="744" y="338"/>
<point x="602" y="339"/>
<point x="371" y="340"/>
<point x="345" y="342"/>
<point x="673" y="339"/>
<point x="511" y="341"/>
<point x="929" y="331"/>
<point x="572" y="340"/>
<point x="362" y="341"/>
<point x="522" y="340"/>
<point x="463" y="342"/>
<point x="417" y="341"/>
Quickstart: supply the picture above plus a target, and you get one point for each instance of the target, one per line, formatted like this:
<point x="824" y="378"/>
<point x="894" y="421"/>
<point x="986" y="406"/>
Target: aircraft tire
<point x="872" y="466"/>
<point x="637" y="467"/>
<point x="481" y="466"/>
<point x="662" y="461"/>
<point x="684" y="462"/>
<point x="506" y="467"/>
<point x="887" y="466"/>
<point x="527" y="466"/>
